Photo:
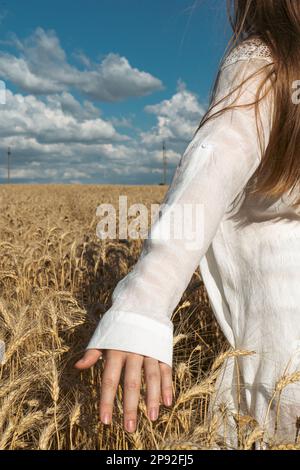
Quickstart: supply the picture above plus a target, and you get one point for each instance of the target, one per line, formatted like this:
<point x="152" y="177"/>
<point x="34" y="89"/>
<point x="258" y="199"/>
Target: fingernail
<point x="168" y="399"/>
<point x="153" y="413"/>
<point x="130" y="425"/>
<point x="105" y="418"/>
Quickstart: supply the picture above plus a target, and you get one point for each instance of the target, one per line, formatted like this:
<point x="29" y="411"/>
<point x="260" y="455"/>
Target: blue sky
<point x="93" y="87"/>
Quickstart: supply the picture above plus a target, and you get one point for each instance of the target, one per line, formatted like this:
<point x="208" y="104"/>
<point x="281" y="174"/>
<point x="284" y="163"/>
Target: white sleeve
<point x="213" y="170"/>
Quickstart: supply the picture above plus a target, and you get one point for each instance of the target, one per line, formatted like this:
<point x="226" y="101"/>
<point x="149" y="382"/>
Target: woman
<point x="241" y="169"/>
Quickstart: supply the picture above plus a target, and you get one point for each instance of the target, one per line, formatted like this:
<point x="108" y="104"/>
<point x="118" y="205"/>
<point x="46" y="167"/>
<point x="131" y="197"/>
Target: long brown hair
<point x="277" y="23"/>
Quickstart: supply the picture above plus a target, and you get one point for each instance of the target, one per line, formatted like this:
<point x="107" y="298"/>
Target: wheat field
<point x="56" y="280"/>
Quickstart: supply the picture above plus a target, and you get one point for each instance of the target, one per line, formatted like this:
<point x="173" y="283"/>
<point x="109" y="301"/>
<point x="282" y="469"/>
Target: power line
<point x="8" y="164"/>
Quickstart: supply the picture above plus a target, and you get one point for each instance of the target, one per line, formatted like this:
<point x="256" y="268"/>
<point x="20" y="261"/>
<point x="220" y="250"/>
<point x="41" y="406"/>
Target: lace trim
<point x="253" y="48"/>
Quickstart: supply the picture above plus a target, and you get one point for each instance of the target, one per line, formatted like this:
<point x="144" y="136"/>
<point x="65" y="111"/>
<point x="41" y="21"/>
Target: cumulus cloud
<point x="60" y="139"/>
<point x="177" y="118"/>
<point x="41" y="67"/>
<point x="49" y="122"/>
<point x="58" y="134"/>
<point x="68" y="104"/>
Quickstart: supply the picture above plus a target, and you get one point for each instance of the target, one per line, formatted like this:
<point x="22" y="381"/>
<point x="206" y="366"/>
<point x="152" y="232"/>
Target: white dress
<point x="249" y="258"/>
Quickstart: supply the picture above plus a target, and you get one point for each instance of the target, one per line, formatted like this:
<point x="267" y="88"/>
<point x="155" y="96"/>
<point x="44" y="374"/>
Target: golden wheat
<point x="56" y="280"/>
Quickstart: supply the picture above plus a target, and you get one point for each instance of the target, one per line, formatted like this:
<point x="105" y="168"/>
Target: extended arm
<point x="213" y="170"/>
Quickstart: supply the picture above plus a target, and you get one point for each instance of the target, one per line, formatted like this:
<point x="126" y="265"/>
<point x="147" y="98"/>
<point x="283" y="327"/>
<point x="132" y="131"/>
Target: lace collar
<point x="249" y="48"/>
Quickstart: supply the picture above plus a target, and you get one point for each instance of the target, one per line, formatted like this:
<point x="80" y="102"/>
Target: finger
<point x="166" y="383"/>
<point x="132" y="385"/>
<point x="153" y="384"/>
<point x="90" y="357"/>
<point x="109" y="384"/>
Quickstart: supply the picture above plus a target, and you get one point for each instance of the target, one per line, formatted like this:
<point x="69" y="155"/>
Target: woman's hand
<point x="158" y="377"/>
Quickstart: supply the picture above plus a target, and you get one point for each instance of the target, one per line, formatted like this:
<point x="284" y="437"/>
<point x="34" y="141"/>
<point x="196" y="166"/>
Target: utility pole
<point x="8" y="164"/>
<point x="164" y="163"/>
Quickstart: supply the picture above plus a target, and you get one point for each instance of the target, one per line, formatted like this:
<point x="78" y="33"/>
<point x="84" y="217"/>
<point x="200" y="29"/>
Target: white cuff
<point x="132" y="332"/>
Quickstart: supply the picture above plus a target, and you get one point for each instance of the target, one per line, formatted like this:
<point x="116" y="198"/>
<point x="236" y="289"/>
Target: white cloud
<point x="48" y="122"/>
<point x="58" y="137"/>
<point x="70" y="106"/>
<point x="18" y="72"/>
<point x="122" y="121"/>
<point x="177" y="118"/>
<point x="82" y="58"/>
<point x="42" y="68"/>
